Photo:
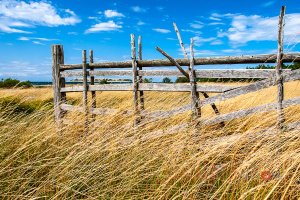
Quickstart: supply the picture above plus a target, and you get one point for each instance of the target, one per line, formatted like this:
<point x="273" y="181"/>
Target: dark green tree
<point x="167" y="80"/>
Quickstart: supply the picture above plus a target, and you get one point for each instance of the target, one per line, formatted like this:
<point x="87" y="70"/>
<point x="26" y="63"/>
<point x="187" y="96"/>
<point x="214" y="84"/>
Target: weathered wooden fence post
<point x="92" y="83"/>
<point x="58" y="82"/>
<point x="85" y="92"/>
<point x="142" y="106"/>
<point x="134" y="81"/>
<point x="214" y="107"/>
<point x="194" y="94"/>
<point x="279" y="77"/>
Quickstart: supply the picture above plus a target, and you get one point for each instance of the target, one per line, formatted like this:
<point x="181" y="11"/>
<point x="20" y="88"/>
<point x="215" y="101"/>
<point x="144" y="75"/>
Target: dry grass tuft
<point x="163" y="159"/>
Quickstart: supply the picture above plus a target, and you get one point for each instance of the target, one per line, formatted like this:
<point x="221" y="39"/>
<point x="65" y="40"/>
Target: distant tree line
<point x="10" y="83"/>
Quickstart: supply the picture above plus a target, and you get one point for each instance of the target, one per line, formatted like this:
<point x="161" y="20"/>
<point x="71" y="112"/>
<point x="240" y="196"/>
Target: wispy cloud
<point x="20" y="14"/>
<point x="140" y="23"/>
<point x="112" y="13"/>
<point x="161" y="30"/>
<point x="212" y="40"/>
<point x="138" y="9"/>
<point x="268" y="3"/>
<point x="38" y="42"/>
<point x="36" y="38"/>
<point x="104" y="27"/>
<point x="196" y="25"/>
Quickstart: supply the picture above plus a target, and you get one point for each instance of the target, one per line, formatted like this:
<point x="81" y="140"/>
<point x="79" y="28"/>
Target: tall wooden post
<point x="57" y="81"/>
<point x="194" y="94"/>
<point x="140" y="57"/>
<point x="93" y="83"/>
<point x="85" y="91"/>
<point x="279" y="77"/>
<point x="134" y="80"/>
<point x="214" y="107"/>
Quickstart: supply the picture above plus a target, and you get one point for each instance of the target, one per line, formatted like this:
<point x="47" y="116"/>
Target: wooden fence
<point x="138" y="69"/>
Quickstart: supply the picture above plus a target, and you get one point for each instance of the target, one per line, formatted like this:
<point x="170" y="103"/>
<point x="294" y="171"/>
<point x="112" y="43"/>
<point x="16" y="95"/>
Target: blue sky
<point x="29" y="28"/>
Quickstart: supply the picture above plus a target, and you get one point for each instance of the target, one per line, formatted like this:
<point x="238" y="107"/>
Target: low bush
<point x="10" y="83"/>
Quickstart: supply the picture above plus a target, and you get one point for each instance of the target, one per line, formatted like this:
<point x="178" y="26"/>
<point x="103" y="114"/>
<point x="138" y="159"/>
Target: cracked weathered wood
<point x="250" y="111"/>
<point x="196" y="109"/>
<point x="180" y="41"/>
<point x="92" y="82"/>
<point x="247" y="59"/>
<point x="279" y="76"/>
<point x="85" y="92"/>
<point x="205" y="73"/>
<point x="173" y="61"/>
<point x="58" y="81"/>
<point x="140" y="57"/>
<point x="165" y="87"/>
<point x="135" y="82"/>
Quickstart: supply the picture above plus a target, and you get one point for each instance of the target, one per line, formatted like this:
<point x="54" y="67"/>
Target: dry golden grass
<point x="115" y="161"/>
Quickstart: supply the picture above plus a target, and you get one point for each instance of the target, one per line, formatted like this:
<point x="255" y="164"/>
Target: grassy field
<point x="115" y="161"/>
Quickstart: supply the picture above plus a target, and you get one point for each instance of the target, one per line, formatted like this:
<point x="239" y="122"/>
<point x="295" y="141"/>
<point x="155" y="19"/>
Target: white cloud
<point x="257" y="28"/>
<point x="214" y="18"/>
<point x="212" y="40"/>
<point x="269" y="3"/>
<point x="191" y="31"/>
<point x="38" y="42"/>
<point x="72" y="33"/>
<point x="197" y="25"/>
<point x="35" y="38"/>
<point x="15" y="13"/>
<point x="140" y="23"/>
<point x="216" y="23"/>
<point x="93" y="18"/>
<point x="112" y="13"/>
<point x="216" y="42"/>
<point x="161" y="30"/>
<point x="104" y="26"/>
<point x="23" y="39"/>
<point x="138" y="9"/>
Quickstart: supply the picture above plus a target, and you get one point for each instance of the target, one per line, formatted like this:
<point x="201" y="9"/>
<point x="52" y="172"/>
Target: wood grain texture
<point x="140" y="57"/>
<point x="173" y="61"/>
<point x="92" y="82"/>
<point x="196" y="109"/>
<point x="164" y="87"/>
<point x="279" y="76"/>
<point x="214" y="73"/>
<point x="58" y="81"/>
<point x="85" y="93"/>
<point x="251" y="59"/>
<point x="180" y="41"/>
<point x="135" y="81"/>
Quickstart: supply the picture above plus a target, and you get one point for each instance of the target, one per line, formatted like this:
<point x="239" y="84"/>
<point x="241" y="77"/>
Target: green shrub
<point x="147" y="80"/>
<point x="182" y="79"/>
<point x="10" y="83"/>
<point x="104" y="81"/>
<point x="167" y="80"/>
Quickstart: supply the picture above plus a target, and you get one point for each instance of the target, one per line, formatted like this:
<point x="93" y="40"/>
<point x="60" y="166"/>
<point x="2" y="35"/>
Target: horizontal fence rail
<point x="259" y="85"/>
<point x="254" y="59"/>
<point x="230" y="73"/>
<point x="163" y="87"/>
<point x="251" y="111"/>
